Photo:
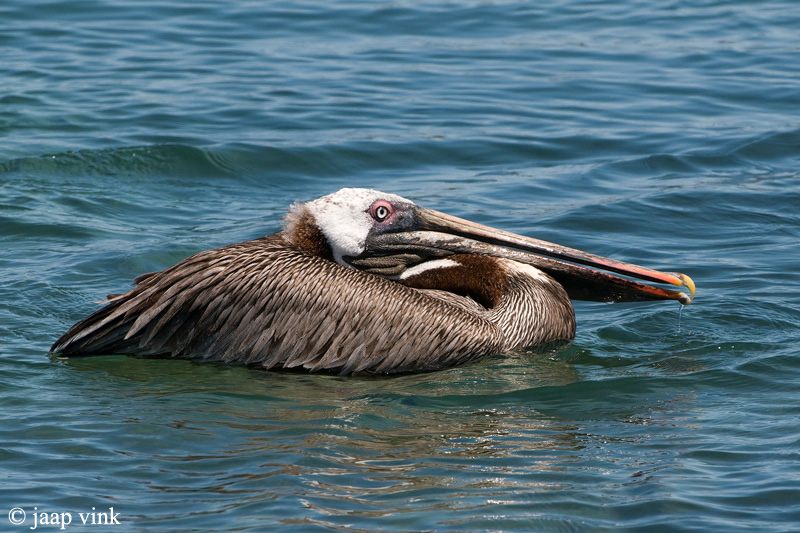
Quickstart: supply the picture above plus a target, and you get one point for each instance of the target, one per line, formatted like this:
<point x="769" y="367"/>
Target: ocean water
<point x="135" y="133"/>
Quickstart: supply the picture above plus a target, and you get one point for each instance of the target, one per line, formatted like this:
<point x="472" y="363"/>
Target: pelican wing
<point x="267" y="303"/>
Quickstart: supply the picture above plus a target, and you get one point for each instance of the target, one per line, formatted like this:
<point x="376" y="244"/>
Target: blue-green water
<point x="136" y="133"/>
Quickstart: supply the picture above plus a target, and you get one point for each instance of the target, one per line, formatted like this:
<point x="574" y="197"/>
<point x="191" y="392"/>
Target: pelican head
<point x="390" y="236"/>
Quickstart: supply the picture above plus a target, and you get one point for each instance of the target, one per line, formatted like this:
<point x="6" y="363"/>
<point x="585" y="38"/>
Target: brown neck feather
<point x="476" y="276"/>
<point x="302" y="231"/>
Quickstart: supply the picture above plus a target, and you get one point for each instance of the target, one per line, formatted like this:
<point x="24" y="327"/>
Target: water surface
<point x="136" y="133"/>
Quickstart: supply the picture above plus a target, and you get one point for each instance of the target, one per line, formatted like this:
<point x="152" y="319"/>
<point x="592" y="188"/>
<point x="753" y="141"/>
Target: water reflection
<point x="317" y="449"/>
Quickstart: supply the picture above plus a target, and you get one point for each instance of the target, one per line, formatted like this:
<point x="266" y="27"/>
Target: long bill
<point x="585" y="276"/>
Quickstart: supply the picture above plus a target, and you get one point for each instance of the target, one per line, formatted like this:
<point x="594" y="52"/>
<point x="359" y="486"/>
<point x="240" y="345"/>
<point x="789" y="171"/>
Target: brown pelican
<point x="361" y="281"/>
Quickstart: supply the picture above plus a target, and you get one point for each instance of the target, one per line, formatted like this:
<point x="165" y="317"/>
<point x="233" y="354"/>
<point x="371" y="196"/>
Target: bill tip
<point x="688" y="282"/>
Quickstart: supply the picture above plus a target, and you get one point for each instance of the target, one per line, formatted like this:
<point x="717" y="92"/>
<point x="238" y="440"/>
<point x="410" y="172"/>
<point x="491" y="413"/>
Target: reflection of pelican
<point x="362" y="281"/>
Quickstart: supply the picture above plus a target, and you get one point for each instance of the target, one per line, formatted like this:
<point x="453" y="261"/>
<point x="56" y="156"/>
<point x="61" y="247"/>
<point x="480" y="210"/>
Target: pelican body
<point x="361" y="281"/>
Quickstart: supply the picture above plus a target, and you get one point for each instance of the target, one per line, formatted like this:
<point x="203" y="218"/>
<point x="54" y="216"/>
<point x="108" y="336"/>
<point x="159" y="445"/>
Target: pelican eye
<point x="381" y="210"/>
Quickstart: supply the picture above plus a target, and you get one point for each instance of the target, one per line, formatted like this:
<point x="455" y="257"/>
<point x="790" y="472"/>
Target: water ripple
<point x="136" y="134"/>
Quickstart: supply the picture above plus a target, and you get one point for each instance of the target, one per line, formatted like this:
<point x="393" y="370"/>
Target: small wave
<point x="160" y="160"/>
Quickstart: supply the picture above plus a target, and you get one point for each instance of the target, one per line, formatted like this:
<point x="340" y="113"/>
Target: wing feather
<point x="267" y="303"/>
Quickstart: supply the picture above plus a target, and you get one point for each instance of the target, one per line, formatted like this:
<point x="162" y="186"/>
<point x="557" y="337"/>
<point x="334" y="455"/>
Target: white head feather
<point x="344" y="218"/>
